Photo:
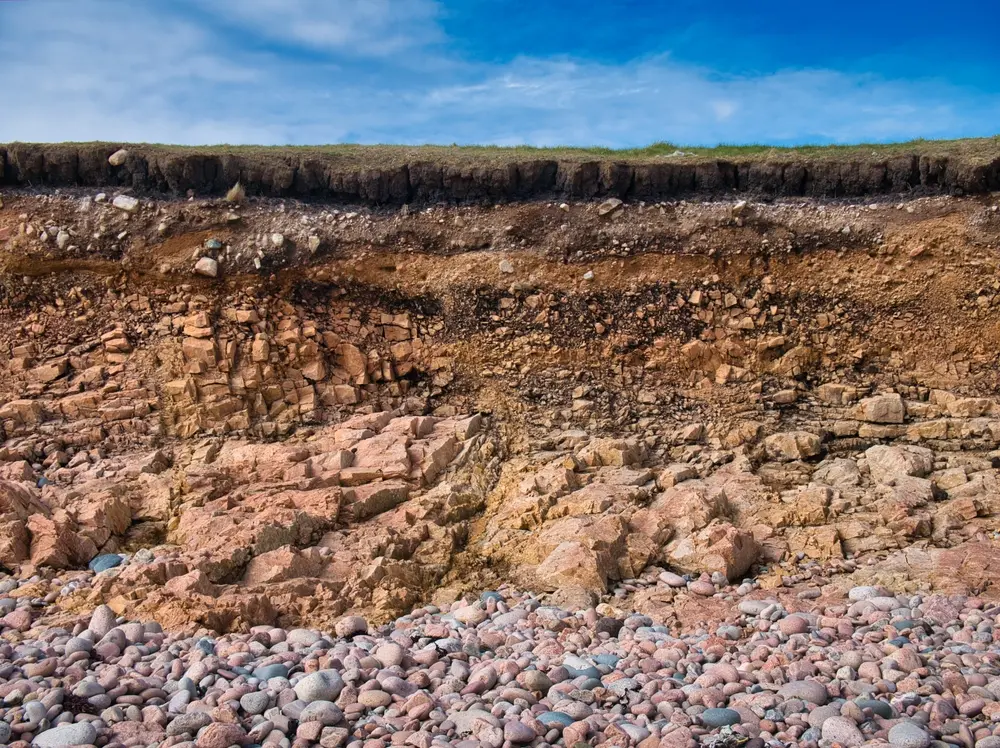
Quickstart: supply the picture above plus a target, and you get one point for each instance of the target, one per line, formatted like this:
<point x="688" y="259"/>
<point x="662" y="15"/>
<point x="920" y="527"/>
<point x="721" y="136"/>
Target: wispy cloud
<point x="368" y="28"/>
<point x="113" y="70"/>
<point x="551" y="102"/>
<point x="319" y="71"/>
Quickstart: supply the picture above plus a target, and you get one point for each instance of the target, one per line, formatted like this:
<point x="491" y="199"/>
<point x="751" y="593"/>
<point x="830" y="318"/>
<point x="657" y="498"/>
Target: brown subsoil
<point x="574" y="396"/>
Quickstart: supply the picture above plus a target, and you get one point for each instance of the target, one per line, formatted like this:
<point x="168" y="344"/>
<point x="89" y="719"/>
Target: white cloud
<point x="660" y="99"/>
<point x="363" y="27"/>
<point x="724" y="109"/>
<point x="222" y="72"/>
<point x="114" y="71"/>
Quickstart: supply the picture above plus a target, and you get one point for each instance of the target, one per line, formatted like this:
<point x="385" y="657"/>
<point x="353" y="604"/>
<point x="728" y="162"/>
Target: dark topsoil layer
<point x="397" y="175"/>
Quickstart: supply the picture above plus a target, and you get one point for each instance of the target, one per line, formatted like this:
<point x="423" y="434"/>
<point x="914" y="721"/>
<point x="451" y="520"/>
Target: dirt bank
<point x="285" y="410"/>
<point x="397" y="176"/>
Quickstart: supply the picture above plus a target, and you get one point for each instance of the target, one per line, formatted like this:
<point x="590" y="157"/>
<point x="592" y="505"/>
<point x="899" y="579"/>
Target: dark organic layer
<point x="399" y="181"/>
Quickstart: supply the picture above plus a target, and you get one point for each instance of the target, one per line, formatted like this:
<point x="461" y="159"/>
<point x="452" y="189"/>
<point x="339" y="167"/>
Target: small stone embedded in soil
<point x="609" y="206"/>
<point x="126" y="203"/>
<point x="207" y="266"/>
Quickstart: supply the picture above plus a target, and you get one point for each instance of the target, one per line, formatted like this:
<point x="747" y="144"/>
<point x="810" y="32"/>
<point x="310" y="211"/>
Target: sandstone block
<point x="888" y="408"/>
<point x="886" y="463"/>
<point x="792" y="445"/>
<point x="719" y="547"/>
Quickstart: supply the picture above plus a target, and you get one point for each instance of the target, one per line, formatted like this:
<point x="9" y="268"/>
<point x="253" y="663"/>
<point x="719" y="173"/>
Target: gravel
<point x="503" y="669"/>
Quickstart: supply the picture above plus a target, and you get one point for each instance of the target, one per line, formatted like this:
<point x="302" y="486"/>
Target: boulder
<point x="574" y="565"/>
<point x="612" y="453"/>
<point x="887" y="463"/>
<point x="719" y="547"/>
<point x="57" y="542"/>
<point x="351" y="360"/>
<point x="839" y="473"/>
<point x="888" y="408"/>
<point x="685" y="508"/>
<point x="792" y="445"/>
<point x="374" y="498"/>
<point x="609" y="206"/>
<point x="17" y="504"/>
<point x="192" y="583"/>
<point x="283" y="564"/>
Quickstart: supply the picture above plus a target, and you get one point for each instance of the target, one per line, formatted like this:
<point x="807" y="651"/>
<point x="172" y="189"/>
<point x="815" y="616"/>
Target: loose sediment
<point x="503" y="669"/>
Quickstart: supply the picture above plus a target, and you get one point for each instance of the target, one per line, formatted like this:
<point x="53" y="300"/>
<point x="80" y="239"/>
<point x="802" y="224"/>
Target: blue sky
<point x="617" y="73"/>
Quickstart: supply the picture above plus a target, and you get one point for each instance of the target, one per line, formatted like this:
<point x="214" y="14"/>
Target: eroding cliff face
<point x="277" y="412"/>
<point x="399" y="175"/>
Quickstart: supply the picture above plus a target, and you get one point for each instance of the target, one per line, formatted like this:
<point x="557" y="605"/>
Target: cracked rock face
<point x="377" y="412"/>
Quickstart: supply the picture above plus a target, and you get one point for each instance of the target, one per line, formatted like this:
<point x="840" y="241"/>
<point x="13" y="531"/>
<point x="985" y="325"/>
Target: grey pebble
<point x="76" y="733"/>
<point x="908" y="735"/>
<point x="324" y="685"/>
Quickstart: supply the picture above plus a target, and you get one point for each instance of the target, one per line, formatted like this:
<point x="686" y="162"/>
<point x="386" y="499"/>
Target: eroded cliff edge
<point x="385" y="175"/>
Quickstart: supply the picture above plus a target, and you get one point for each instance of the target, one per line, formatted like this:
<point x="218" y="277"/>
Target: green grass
<point x="970" y="150"/>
